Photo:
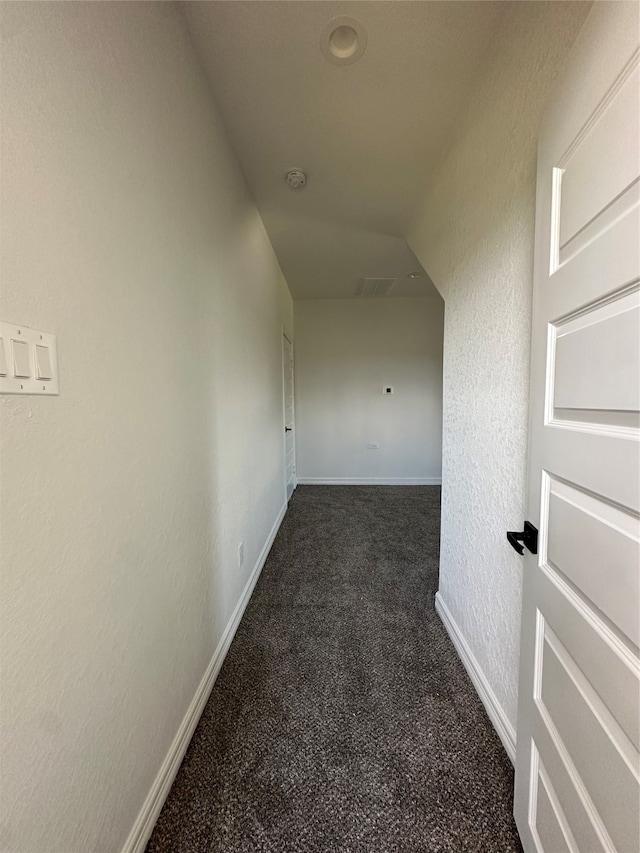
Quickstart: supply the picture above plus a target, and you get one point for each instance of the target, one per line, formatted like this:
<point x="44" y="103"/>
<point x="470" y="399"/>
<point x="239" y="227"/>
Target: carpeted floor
<point x="342" y="719"/>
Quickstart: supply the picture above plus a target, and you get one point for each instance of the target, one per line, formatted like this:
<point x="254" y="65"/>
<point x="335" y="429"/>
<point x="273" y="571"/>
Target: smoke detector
<point x="296" y="179"/>
<point x="343" y="41"/>
<point x="375" y="286"/>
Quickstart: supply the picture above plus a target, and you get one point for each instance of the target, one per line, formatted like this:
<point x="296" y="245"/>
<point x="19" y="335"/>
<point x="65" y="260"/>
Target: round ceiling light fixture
<point x="343" y="41"/>
<point x="296" y="179"/>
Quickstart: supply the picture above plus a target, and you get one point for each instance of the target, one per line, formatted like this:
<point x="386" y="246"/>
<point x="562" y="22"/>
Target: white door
<point x="577" y="765"/>
<point x="289" y="425"/>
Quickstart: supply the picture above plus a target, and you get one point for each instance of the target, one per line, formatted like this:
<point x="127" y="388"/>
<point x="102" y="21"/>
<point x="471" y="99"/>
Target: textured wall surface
<point x="346" y="350"/>
<point x="474" y="236"/>
<point x="128" y="231"/>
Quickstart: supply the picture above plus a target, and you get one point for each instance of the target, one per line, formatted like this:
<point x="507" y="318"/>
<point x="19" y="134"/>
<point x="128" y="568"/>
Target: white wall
<point x="129" y="232"/>
<point x="346" y="350"/>
<point x="474" y="236"/>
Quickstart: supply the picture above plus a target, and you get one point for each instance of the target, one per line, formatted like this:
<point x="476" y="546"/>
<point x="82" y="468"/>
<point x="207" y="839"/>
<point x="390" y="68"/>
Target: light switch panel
<point x="28" y="361"/>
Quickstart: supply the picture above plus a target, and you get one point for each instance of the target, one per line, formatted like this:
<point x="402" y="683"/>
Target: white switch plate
<point x="12" y="384"/>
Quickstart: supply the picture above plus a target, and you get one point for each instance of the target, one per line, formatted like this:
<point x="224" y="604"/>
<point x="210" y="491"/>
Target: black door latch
<point x="528" y="537"/>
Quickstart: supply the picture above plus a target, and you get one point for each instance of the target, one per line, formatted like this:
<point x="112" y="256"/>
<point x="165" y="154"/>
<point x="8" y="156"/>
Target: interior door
<point x="577" y="766"/>
<point x="289" y="415"/>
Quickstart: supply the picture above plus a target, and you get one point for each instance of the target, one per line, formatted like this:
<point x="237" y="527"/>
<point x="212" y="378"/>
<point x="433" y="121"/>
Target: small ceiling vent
<point x="375" y="286"/>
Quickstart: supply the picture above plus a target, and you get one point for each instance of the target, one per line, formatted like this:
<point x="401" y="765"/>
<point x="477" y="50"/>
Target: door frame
<point x="284" y="336"/>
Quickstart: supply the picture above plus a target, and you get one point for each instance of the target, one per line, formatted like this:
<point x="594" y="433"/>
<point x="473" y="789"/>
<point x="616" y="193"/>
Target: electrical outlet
<point x="241" y="554"/>
<point x="373" y="445"/>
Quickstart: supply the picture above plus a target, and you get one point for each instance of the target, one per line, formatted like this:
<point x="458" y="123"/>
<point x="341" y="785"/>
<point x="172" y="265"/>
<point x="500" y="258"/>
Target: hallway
<point x="185" y="185"/>
<point x="342" y="719"/>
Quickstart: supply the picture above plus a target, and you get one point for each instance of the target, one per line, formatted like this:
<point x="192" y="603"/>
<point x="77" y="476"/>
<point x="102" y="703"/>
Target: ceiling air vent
<point x="375" y="286"/>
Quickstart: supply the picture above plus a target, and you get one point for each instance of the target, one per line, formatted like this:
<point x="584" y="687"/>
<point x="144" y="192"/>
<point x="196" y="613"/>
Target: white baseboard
<point x="369" y="481"/>
<point x="146" y="820"/>
<point x="501" y="723"/>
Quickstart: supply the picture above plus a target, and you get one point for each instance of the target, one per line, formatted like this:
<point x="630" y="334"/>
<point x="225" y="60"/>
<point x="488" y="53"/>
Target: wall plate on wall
<point x="387" y="389"/>
<point x="28" y="361"/>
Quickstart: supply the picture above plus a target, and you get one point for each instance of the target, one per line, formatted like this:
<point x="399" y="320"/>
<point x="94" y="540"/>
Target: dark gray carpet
<point x="342" y="719"/>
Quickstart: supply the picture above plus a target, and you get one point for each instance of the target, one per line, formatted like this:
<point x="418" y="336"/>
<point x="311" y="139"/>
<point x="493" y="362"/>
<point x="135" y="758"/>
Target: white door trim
<point x="285" y="337"/>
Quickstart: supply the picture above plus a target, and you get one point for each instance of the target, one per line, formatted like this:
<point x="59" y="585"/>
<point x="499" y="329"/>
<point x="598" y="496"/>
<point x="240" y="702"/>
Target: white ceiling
<point x="366" y="134"/>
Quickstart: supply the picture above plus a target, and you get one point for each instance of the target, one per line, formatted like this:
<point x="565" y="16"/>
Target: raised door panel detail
<point x="605" y="263"/>
<point x="597" y="361"/>
<point x="588" y="538"/>
<point x="590" y="183"/>
<point x="547" y="817"/>
<point x="608" y="770"/>
<point x="572" y="796"/>
<point x="606" y="662"/>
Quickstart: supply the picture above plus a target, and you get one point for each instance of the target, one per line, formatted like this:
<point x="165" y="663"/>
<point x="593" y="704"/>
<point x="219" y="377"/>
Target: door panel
<point x="604" y="262"/>
<point x="574" y="806"/>
<point x="586" y="536"/>
<point x="569" y="704"/>
<point x="549" y="820"/>
<point x="600" y="654"/>
<point x="595" y="362"/>
<point x="589" y="182"/>
<point x="578" y="767"/>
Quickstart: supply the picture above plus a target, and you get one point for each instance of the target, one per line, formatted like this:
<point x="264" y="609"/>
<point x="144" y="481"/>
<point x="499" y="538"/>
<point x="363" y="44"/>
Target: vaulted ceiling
<point x="367" y="134"/>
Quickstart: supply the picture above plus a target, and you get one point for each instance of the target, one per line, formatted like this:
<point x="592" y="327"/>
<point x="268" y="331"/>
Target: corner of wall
<point x="474" y="233"/>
